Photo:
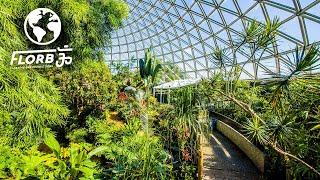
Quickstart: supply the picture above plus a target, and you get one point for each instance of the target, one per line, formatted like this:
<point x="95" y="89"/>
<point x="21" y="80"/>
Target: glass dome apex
<point x="184" y="33"/>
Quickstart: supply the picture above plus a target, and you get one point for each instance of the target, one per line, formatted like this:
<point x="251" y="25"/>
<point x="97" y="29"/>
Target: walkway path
<point x="223" y="160"/>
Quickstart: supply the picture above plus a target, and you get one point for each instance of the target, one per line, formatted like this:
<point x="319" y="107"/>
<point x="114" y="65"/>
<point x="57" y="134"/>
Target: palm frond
<point x="305" y="61"/>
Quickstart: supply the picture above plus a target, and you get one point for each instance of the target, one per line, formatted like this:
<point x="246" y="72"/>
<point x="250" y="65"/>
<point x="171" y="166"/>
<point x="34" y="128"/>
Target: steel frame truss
<point x="185" y="32"/>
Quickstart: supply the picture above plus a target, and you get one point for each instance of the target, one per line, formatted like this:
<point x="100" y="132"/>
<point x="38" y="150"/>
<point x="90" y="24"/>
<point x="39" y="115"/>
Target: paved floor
<point x="223" y="160"/>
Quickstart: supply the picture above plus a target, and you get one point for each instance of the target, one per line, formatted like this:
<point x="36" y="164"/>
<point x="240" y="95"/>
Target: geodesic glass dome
<point x="184" y="33"/>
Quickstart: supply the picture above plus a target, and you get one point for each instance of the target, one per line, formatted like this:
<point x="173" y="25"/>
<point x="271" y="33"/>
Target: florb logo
<point x="42" y="26"/>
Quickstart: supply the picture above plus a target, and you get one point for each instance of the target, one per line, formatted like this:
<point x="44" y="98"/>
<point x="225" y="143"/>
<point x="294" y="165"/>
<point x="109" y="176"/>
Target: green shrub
<point x="29" y="104"/>
<point x="62" y="163"/>
<point x="136" y="157"/>
<point x="87" y="25"/>
<point x="188" y="171"/>
<point x="129" y="152"/>
<point x="78" y="135"/>
<point x="87" y="89"/>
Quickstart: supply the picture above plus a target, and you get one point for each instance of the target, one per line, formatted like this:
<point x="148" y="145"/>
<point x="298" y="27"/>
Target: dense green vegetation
<point x="29" y="105"/>
<point x="82" y="122"/>
<point x="284" y="129"/>
<point x="280" y="115"/>
<point x="77" y="122"/>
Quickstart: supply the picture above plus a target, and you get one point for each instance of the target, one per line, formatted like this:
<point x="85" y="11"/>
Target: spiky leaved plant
<point x="190" y="120"/>
<point x="305" y="61"/>
<point x="276" y="133"/>
<point x="149" y="68"/>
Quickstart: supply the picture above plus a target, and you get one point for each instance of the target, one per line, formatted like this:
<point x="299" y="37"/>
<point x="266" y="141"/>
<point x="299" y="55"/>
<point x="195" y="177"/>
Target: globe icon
<point x="42" y="26"/>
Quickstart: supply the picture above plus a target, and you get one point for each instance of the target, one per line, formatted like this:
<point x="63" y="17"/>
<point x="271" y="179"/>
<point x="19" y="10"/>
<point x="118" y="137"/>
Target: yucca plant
<point x="219" y="55"/>
<point x="255" y="36"/>
<point x="258" y="37"/>
<point x="280" y="129"/>
<point x="255" y="130"/>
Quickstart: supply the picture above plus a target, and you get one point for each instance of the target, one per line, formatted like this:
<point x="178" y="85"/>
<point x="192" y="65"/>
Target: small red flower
<point x="186" y="155"/>
<point x="122" y="96"/>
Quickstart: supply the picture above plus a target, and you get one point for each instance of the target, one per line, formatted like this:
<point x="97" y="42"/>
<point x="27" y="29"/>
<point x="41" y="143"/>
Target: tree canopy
<point x="86" y="25"/>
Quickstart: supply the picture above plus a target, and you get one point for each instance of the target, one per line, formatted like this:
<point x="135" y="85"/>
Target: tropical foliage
<point x="88" y="88"/>
<point x="149" y="68"/>
<point x="88" y="24"/>
<point x="29" y="105"/>
<point x="82" y="122"/>
<point x="276" y="113"/>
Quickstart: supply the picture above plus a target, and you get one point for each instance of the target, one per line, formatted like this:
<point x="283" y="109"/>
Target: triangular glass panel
<point x="245" y="5"/>
<point x="228" y="4"/>
<point x="229" y="18"/>
<point x="292" y="28"/>
<point x="256" y="14"/>
<point x="207" y="8"/>
<point x="315" y="10"/>
<point x="278" y="13"/>
<point x="216" y="17"/>
<point x="313" y="35"/>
